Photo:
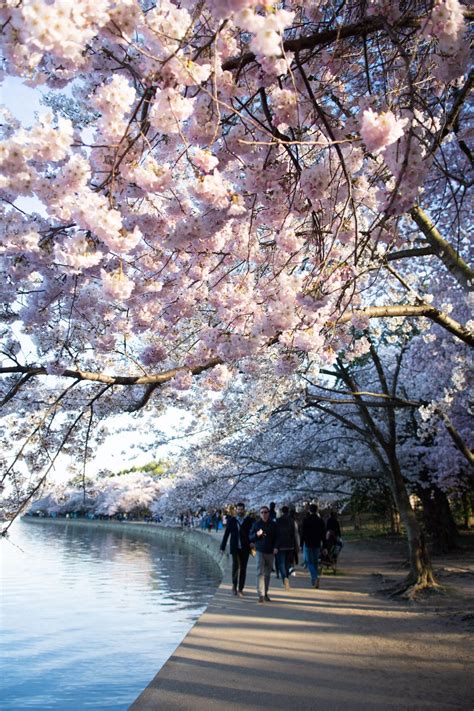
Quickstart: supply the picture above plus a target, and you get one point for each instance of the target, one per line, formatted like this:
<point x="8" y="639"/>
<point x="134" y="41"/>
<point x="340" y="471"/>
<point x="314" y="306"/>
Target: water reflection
<point x="89" y="615"/>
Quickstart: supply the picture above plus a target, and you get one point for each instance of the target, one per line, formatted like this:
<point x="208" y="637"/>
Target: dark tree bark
<point x="421" y="572"/>
<point x="395" y="521"/>
<point x="438" y="520"/>
<point x="467" y="509"/>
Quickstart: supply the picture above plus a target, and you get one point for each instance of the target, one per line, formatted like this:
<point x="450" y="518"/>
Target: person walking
<point x="313" y="533"/>
<point x="216" y="520"/>
<point x="333" y="532"/>
<point x="273" y="517"/>
<point x="263" y="534"/>
<point x="286" y="543"/>
<point x="273" y="513"/>
<point x="238" y="529"/>
<point x="295" y="556"/>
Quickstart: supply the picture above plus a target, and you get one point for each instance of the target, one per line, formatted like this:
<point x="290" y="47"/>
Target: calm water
<point x="88" y="616"/>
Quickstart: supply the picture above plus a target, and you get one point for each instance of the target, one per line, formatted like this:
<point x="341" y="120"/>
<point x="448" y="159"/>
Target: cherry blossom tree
<point x="367" y="421"/>
<point x="131" y="493"/>
<point x="245" y="183"/>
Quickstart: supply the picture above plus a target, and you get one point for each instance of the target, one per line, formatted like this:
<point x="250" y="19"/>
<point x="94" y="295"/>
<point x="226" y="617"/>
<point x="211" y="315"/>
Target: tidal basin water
<point x="88" y="615"/>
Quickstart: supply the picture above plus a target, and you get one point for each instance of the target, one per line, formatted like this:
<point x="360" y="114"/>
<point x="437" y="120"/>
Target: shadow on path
<point x="336" y="648"/>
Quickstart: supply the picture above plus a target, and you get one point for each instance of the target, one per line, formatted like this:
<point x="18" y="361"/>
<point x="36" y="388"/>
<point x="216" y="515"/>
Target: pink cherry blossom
<point x="116" y="285"/>
<point x="183" y="380"/>
<point x="218" y="378"/>
<point x="204" y="160"/>
<point x="380" y="130"/>
<point x="260" y="187"/>
<point x="169" y="109"/>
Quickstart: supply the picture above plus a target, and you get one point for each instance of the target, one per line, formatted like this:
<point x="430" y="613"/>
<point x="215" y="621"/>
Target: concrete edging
<point x="208" y="543"/>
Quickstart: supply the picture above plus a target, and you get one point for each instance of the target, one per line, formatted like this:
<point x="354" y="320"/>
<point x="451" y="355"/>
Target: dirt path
<point x="343" y="647"/>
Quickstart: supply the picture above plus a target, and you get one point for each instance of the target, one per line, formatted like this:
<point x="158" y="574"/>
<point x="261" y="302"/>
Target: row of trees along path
<point x="226" y="193"/>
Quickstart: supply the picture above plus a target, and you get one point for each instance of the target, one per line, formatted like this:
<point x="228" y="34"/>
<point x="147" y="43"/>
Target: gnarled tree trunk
<point x="421" y="572"/>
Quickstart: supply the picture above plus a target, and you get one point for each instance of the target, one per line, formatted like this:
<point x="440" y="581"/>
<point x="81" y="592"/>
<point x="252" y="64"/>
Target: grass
<point x="368" y="530"/>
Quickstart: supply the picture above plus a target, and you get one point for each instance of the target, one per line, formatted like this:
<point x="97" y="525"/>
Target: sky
<point x="23" y="101"/>
<point x="133" y="442"/>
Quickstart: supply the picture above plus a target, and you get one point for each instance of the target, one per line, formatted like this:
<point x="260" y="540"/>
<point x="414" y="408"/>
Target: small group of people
<point x="275" y="540"/>
<point x="214" y="520"/>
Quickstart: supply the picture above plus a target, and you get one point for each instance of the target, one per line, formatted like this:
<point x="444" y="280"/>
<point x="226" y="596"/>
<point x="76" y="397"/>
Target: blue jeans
<point x="283" y="559"/>
<point x="311" y="558"/>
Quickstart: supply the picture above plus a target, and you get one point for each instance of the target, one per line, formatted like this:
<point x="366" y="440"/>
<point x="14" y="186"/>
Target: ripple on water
<point x="89" y="615"/>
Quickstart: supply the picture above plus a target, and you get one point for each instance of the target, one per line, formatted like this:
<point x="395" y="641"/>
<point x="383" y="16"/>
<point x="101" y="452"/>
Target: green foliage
<point x="367" y="528"/>
<point x="78" y="482"/>
<point x="370" y="496"/>
<point x="370" y="512"/>
<point x="154" y="469"/>
<point x="462" y="507"/>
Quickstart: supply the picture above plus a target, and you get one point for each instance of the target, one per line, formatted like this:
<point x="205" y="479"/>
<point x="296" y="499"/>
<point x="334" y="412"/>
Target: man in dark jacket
<point x="313" y="534"/>
<point x="263" y="534"/>
<point x="286" y="544"/>
<point x="238" y="528"/>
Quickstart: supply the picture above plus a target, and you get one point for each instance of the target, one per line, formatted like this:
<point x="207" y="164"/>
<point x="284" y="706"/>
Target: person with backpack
<point x="286" y="543"/>
<point x="313" y="534"/>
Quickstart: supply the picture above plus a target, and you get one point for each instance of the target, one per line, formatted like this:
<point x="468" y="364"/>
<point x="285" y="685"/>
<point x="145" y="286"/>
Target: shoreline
<point x="191" y="538"/>
<point x="178" y="539"/>
<point x="341" y="647"/>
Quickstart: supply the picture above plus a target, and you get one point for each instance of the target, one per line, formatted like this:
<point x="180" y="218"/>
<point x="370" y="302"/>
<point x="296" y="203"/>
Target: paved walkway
<point x="339" y="648"/>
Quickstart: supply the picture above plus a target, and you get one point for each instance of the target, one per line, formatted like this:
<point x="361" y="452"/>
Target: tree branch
<point x="453" y="115"/>
<point x="15" y="388"/>
<point x="457" y="329"/>
<point x="157" y="379"/>
<point x="270" y="466"/>
<point x="388" y="402"/>
<point x="409" y="253"/>
<point x="461" y="271"/>
<point x="363" y="28"/>
<point x="457" y="439"/>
